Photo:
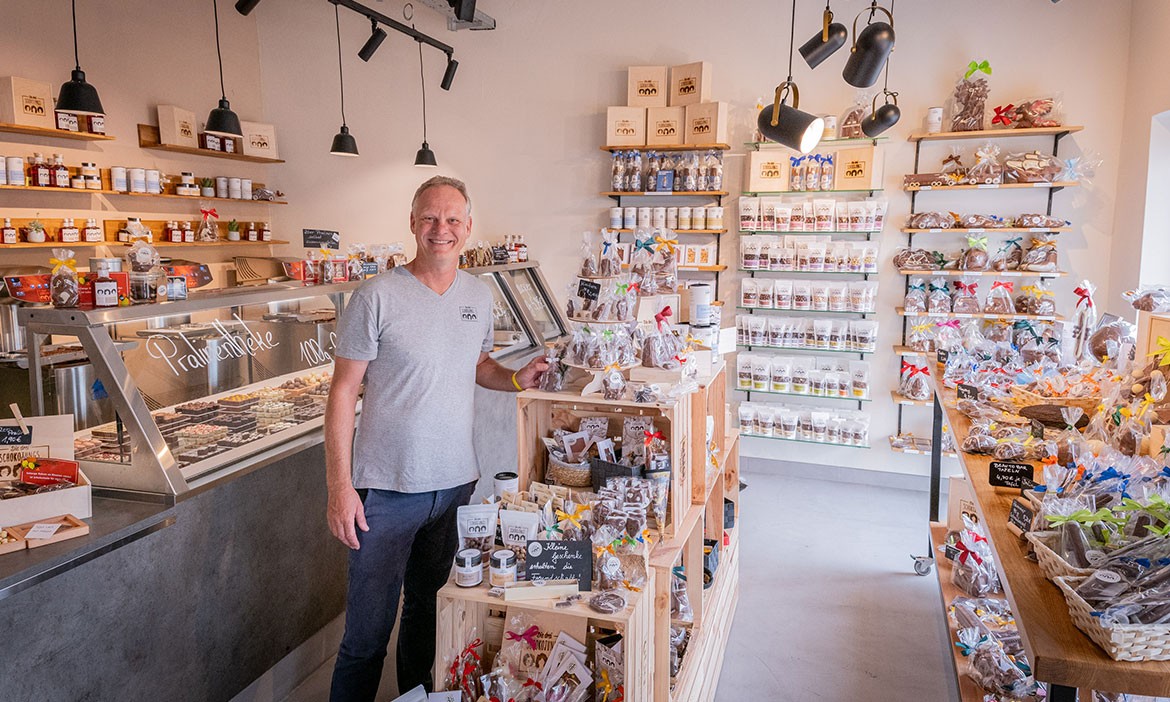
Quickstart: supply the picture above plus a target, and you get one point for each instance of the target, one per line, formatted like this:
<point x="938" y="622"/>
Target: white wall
<point x="524" y="120"/>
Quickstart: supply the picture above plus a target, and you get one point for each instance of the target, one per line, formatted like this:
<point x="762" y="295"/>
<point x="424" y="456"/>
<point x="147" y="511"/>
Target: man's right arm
<point x="346" y="514"/>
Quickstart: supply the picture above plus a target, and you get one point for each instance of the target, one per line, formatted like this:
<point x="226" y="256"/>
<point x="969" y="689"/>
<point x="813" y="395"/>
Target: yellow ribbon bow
<point x="668" y="243"/>
<point x="921" y="328"/>
<point x="613" y="367"/>
<point x="326" y="254"/>
<point x="1163" y="351"/>
<point x="606" y="686"/>
<point x="629" y="586"/>
<point x="70" y="263"/>
<point x="575" y="517"/>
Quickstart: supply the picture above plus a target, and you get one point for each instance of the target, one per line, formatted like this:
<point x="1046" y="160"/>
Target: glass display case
<point x="200" y="388"/>
<point x="525" y="314"/>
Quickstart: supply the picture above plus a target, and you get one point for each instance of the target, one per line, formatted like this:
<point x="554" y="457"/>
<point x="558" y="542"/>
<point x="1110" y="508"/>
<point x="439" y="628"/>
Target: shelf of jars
<point x="52" y="132"/>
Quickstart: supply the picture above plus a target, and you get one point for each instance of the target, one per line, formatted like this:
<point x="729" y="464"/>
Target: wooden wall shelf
<point x="995" y="133"/>
<point x="148" y="138"/>
<point x="52" y="133"/>
<point x="682" y="147"/>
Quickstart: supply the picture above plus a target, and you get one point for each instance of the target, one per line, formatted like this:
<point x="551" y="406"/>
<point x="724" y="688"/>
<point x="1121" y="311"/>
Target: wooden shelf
<point x="1059" y="653"/>
<point x="768" y="270"/>
<point x="968" y="690"/>
<point x="696" y="193"/>
<point x="169" y="196"/>
<point x="708" y="269"/>
<point x="805" y="231"/>
<point x="56" y="245"/>
<point x="922" y="449"/>
<point x="900" y="400"/>
<point x="53" y="133"/>
<point x="753" y="193"/>
<point x="148" y="138"/>
<point x="828" y="143"/>
<point x="994" y="186"/>
<point x="982" y="315"/>
<point x="995" y="274"/>
<point x="850" y="398"/>
<point x="221" y="242"/>
<point x="683" y="147"/>
<point x="907" y="351"/>
<point x="994" y="133"/>
<point x="680" y="231"/>
<point x="986" y="230"/>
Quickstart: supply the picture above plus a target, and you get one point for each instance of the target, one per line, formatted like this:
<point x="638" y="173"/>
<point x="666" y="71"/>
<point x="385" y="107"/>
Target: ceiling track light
<point x="789" y="125"/>
<point x="882" y="118"/>
<point x="246" y="6"/>
<point x="222" y="121"/>
<point x="343" y="143"/>
<point x="78" y="97"/>
<point x="449" y="74"/>
<point x="870" y="49"/>
<point x="825" y="43"/>
<point x="377" y="36"/>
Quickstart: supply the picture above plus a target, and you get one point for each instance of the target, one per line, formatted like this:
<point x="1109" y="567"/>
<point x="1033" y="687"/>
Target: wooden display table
<point x="1059" y="653"/>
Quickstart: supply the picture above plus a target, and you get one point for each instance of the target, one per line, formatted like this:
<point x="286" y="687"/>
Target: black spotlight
<point x="245" y="6"/>
<point x="377" y="36"/>
<point x="823" y="45"/>
<point x="449" y="74"/>
<point x="464" y="10"/>
<point x="870" y="50"/>
<point x="790" y="126"/>
<point x="882" y="118"/>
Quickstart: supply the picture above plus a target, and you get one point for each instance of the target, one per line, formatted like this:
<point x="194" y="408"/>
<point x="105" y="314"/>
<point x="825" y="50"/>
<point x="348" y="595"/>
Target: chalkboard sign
<point x="950" y="552"/>
<point x="13" y="436"/>
<point x="966" y="392"/>
<point x="1020" y="517"/>
<point x="942" y="355"/>
<point x="561" y="560"/>
<point x="588" y="289"/>
<point x="321" y="239"/>
<point x="369" y="268"/>
<point x="1011" y="475"/>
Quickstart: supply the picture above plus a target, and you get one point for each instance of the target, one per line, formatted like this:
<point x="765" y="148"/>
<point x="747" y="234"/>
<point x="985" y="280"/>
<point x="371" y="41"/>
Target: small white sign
<point x="42" y="531"/>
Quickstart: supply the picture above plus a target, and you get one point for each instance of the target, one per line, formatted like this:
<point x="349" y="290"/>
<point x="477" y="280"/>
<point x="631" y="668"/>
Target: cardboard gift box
<point x="707" y="123"/>
<point x="767" y="171"/>
<point x="259" y="139"/>
<point x="625" y="126"/>
<point x="690" y="83"/>
<point x="647" y="86"/>
<point x="857" y="169"/>
<point x="665" y="126"/>
<point x="177" y="127"/>
<point x="26" y="102"/>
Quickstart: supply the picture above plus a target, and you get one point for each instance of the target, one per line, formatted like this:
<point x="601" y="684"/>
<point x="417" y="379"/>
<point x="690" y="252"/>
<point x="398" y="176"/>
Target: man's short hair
<point x="435" y="182"/>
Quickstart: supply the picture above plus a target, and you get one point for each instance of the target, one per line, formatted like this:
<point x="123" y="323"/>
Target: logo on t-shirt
<point x="469" y="314"/>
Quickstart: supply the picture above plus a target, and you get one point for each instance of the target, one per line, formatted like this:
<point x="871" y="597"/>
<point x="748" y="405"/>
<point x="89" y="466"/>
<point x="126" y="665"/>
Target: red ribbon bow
<point x="208" y="213"/>
<point x="651" y="437"/>
<point x="528" y="637"/>
<point x="1006" y="285"/>
<point x="1003" y="115"/>
<point x="966" y="287"/>
<point x="906" y="365"/>
<point x="662" y="315"/>
<point x="532" y="683"/>
<point x="914" y="370"/>
<point x="965" y="553"/>
<point x="949" y="323"/>
<point x="1085" y="295"/>
<point x="621" y="694"/>
<point x="635" y="287"/>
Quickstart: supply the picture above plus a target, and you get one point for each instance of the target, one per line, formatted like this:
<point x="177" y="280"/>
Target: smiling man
<point x="418" y="336"/>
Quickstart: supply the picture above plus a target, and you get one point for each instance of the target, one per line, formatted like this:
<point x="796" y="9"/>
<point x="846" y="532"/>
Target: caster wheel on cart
<point x="923" y="565"/>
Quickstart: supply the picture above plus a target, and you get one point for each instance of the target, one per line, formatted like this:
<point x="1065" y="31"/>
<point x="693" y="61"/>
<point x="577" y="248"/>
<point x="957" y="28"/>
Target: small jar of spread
<point x="503" y="568"/>
<point x="469" y="567"/>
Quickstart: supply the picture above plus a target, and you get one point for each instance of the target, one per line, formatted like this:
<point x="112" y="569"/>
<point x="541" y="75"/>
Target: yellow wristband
<point x="515" y="383"/>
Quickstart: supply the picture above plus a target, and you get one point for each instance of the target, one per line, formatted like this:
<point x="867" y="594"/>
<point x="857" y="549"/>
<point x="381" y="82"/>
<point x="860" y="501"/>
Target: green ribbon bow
<point x="1086" y="518"/>
<point x="977" y="242"/>
<point x="645" y="244"/>
<point x="1162" y="531"/>
<point x="974" y="66"/>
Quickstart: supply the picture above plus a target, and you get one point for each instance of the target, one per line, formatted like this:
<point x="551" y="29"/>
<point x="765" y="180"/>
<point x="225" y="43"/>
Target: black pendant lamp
<point x="789" y="125"/>
<point x="343" y="144"/>
<point x="882" y="118"/>
<point x="222" y="121"/>
<point x="823" y="45"/>
<point x="78" y="97"/>
<point x="425" y="158"/>
<point x="870" y="49"/>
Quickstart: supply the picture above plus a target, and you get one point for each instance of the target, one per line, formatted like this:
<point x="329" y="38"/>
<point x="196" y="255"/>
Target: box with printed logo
<point x="690" y="83"/>
<point x="625" y="126"/>
<point x="856" y="169"/>
<point x="767" y="171"/>
<point x="647" y="86"/>
<point x="177" y="127"/>
<point x="707" y="123"/>
<point x="259" y="139"/>
<point x="26" y="102"/>
<point x="665" y="126"/>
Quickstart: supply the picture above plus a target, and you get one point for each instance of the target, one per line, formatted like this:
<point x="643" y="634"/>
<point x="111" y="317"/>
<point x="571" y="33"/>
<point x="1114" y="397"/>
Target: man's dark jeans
<point x="410" y="544"/>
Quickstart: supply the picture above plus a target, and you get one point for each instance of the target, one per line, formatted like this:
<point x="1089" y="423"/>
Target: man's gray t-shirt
<point x="414" y="432"/>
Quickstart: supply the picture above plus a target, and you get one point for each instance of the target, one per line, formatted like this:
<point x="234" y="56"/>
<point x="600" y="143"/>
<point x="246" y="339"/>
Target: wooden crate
<point x="539" y="413"/>
<point x="709" y="400"/>
<point x="685" y="548"/>
<point x="462" y="614"/>
<point x="698" y="677"/>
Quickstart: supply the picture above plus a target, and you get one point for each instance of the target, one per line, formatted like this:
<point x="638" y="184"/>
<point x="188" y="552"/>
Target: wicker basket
<point x="1123" y="642"/>
<point x="568" y="474"/>
<point x="1026" y="398"/>
<point x="1051" y="563"/>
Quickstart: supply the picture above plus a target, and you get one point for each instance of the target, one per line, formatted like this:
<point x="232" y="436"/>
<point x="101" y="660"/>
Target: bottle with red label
<point x="61" y="177"/>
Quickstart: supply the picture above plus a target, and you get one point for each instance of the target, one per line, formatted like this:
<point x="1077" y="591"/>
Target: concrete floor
<point x="829" y="609"/>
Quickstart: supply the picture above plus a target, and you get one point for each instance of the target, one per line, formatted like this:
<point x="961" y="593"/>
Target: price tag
<point x="13" y="436"/>
<point x="987" y="186"/>
<point x="1020" y="517"/>
<point x="588" y="289"/>
<point x="370" y="268"/>
<point x="966" y="392"/>
<point x="1011" y="475"/>
<point x="42" y="531"/>
<point x="942" y="355"/>
<point x="950" y="552"/>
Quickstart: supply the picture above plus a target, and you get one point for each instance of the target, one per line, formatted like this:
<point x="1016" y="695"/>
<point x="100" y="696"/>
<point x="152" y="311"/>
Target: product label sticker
<point x="42" y="531"/>
<point x="468" y="313"/>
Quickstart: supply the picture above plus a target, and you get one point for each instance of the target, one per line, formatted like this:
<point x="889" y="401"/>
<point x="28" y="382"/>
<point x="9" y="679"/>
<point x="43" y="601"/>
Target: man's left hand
<point x="528" y="375"/>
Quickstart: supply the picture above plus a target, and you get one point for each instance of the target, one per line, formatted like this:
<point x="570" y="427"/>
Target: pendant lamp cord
<point x="422" y="79"/>
<point x="886" y="85"/>
<point x="340" y="69"/>
<point x="76" y="60"/>
<point x="792" y="40"/>
<point x="218" y="55"/>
